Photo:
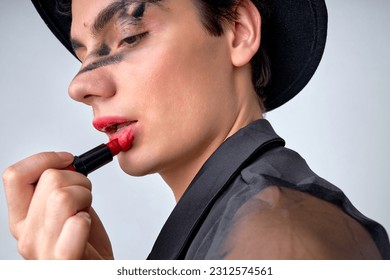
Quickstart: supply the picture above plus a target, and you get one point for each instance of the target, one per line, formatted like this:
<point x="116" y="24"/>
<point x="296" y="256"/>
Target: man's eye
<point x="133" y="40"/>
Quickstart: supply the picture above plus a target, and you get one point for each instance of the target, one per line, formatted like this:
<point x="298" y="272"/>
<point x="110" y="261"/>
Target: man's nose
<point x="93" y="85"/>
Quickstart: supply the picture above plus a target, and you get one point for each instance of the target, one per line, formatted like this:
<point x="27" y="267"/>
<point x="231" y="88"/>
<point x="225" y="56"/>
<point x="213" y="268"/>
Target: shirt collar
<point x="214" y="176"/>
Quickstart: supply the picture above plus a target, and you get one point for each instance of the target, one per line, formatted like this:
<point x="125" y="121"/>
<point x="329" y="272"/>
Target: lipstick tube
<point x="92" y="160"/>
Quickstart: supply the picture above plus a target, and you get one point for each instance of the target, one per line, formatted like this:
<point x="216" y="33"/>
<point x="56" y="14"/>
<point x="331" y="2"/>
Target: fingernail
<point x="84" y="215"/>
<point x="65" y="156"/>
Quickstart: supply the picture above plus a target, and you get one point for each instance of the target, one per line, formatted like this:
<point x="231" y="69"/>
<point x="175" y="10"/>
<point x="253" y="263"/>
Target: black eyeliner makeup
<point x="126" y="19"/>
<point x="114" y="59"/>
<point x="104" y="50"/>
<point x="139" y="12"/>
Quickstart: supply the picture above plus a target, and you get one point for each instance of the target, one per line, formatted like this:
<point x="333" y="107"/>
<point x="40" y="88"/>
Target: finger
<point x="48" y="200"/>
<point x="62" y="204"/>
<point x="99" y="238"/>
<point x="29" y="170"/>
<point x="74" y="237"/>
<point x="19" y="181"/>
<point x="51" y="180"/>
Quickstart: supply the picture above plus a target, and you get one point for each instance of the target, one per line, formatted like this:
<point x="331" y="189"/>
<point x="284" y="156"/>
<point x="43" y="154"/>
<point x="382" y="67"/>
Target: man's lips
<point x="117" y="128"/>
<point x="111" y="125"/>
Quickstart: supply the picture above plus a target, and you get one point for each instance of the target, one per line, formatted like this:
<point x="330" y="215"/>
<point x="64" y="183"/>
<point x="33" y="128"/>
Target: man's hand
<point x="50" y="210"/>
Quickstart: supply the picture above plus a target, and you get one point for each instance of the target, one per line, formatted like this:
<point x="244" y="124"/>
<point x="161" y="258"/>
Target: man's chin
<point x="133" y="169"/>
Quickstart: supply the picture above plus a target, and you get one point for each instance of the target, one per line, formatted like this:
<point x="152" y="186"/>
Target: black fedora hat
<point x="294" y="37"/>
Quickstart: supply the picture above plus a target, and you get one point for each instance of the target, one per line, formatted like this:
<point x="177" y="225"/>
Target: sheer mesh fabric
<point x="281" y="223"/>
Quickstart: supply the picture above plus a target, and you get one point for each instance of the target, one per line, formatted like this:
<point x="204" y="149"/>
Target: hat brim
<point x="294" y="37"/>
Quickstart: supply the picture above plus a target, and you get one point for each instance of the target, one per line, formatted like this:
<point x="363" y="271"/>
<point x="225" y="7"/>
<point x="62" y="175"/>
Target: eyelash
<point x="134" y="40"/>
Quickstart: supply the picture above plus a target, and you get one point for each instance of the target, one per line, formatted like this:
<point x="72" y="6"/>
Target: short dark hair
<point x="213" y="15"/>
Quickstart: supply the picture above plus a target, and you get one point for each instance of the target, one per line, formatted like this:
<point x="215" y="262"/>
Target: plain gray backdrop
<point x="339" y="123"/>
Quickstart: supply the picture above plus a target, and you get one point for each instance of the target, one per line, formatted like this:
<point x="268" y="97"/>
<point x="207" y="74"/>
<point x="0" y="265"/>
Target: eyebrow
<point x="106" y="15"/>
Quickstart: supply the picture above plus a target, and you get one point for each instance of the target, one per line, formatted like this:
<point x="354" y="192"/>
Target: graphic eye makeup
<point x="129" y="28"/>
<point x="139" y="11"/>
<point x="104" y="50"/>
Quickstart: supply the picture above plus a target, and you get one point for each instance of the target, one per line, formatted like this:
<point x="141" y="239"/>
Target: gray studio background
<point x="339" y="122"/>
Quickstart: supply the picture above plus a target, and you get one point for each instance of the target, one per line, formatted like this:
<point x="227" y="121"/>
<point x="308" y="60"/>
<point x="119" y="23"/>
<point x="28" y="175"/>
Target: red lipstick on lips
<point x="101" y="155"/>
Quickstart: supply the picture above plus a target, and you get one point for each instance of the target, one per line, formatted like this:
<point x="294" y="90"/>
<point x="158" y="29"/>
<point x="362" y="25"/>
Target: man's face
<point x="153" y="66"/>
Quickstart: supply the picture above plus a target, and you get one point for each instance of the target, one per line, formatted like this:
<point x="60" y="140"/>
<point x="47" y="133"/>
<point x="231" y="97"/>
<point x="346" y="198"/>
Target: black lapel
<point x="214" y="177"/>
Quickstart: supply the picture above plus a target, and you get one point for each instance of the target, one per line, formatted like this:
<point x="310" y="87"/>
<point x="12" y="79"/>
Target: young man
<point x="191" y="80"/>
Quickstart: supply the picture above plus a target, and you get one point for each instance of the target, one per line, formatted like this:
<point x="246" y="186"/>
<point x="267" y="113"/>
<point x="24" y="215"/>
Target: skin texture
<point x="184" y="91"/>
<point x="187" y="92"/>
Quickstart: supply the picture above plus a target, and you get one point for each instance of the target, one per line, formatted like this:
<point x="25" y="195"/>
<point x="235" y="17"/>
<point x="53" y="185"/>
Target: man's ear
<point x="245" y="33"/>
